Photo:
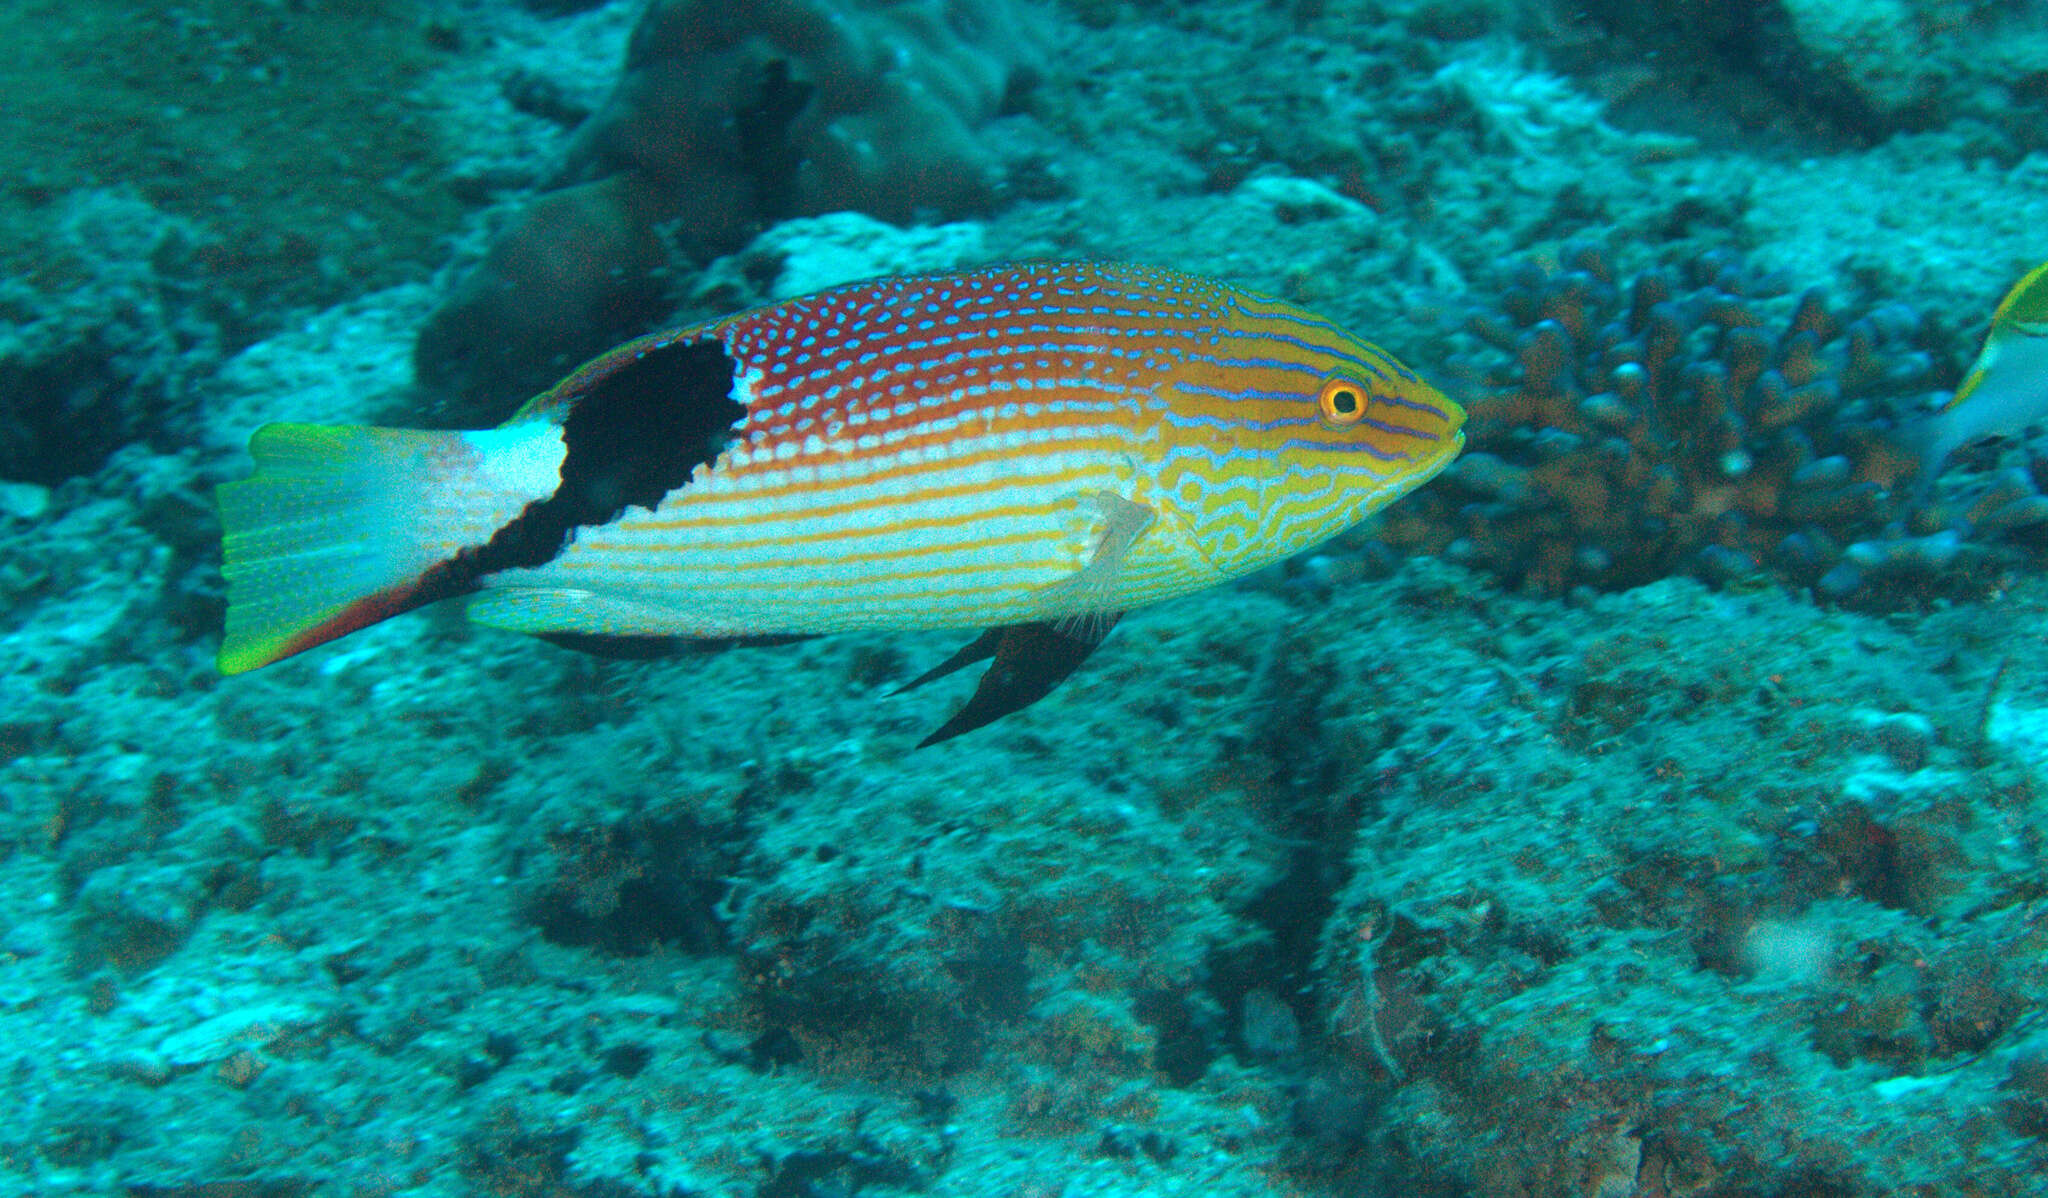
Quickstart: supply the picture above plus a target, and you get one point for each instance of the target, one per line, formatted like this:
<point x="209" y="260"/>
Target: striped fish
<point x="1028" y="449"/>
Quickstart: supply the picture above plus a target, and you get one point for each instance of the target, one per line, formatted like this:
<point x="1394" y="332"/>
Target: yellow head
<point x="1284" y="430"/>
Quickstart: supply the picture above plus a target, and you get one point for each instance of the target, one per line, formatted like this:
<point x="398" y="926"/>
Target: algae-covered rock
<point x="723" y="118"/>
<point x="1874" y="46"/>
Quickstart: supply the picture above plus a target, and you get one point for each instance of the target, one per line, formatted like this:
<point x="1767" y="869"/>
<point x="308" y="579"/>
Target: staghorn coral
<point x="724" y="117"/>
<point x="1700" y="420"/>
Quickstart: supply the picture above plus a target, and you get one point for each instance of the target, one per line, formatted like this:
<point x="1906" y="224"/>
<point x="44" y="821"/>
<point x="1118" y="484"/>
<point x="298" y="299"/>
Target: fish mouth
<point x="1453" y="445"/>
<point x="1450" y="443"/>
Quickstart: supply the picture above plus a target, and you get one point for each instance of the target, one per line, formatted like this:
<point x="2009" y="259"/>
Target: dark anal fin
<point x="1030" y="660"/>
<point x="616" y="647"/>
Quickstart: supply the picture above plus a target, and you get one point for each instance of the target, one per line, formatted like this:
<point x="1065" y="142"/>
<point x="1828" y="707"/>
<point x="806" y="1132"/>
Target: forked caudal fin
<point x="341" y="527"/>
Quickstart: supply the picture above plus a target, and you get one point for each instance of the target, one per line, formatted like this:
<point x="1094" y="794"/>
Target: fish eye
<point x="1341" y="403"/>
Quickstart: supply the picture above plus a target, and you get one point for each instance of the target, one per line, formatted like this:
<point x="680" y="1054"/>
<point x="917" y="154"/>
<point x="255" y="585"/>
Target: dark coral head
<point x="1707" y="418"/>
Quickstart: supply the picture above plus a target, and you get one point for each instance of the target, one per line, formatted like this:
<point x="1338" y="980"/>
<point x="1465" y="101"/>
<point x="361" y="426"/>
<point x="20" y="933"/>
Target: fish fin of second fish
<point x="2006" y="389"/>
<point x="2005" y="393"/>
<point x="330" y="534"/>
<point x="1030" y="660"/>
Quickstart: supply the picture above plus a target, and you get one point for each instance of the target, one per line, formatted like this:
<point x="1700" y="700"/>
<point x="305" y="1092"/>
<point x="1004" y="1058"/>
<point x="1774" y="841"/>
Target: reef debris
<point x="1702" y="419"/>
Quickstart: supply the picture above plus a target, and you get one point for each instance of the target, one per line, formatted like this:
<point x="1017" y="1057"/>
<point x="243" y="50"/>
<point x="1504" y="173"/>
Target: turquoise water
<point x="1648" y="805"/>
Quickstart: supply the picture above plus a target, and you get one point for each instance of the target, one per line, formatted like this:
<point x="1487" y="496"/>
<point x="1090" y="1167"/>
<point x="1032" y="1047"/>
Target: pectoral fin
<point x="1030" y="660"/>
<point x="1091" y="595"/>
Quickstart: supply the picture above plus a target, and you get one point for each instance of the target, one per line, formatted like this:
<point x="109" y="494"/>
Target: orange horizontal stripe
<point x="921" y="593"/>
<point x="793" y="563"/>
<point x="1093" y="429"/>
<point x="741" y="498"/>
<point x="1008" y="598"/>
<point x="829" y="535"/>
<point x="919" y="597"/>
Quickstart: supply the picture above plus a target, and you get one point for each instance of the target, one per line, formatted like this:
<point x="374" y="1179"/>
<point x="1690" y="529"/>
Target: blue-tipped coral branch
<point x="1702" y="420"/>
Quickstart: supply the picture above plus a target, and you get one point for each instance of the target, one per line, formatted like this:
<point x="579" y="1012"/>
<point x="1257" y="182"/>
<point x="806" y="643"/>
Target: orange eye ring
<point x="1341" y="403"/>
